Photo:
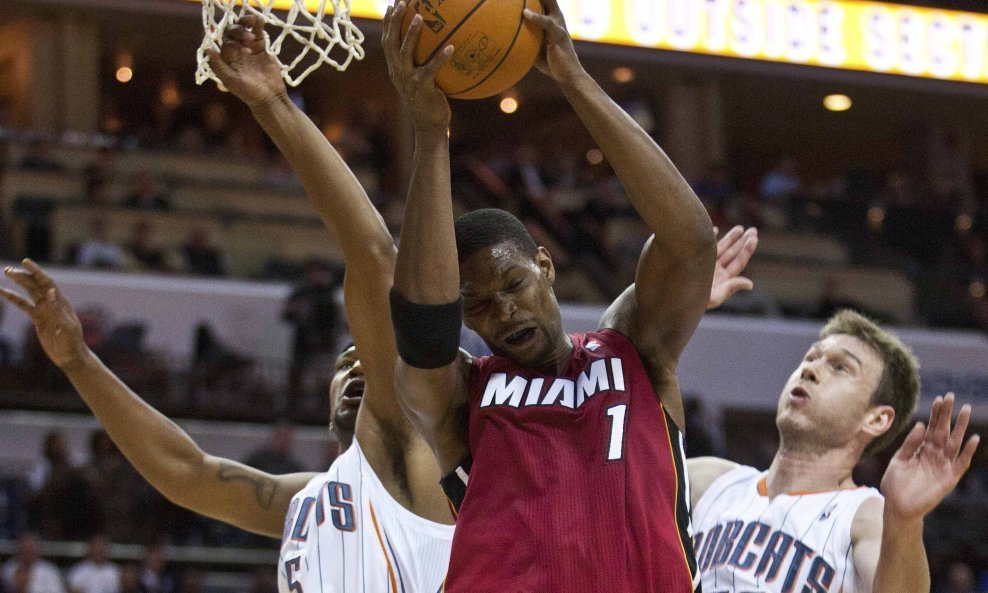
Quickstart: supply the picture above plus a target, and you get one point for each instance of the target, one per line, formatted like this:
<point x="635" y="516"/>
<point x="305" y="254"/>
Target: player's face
<point x="508" y="301"/>
<point x="828" y="396"/>
<point x="346" y="391"/>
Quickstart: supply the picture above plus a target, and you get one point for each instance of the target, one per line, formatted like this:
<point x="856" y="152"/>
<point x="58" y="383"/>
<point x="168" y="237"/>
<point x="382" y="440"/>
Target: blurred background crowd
<point x="882" y="207"/>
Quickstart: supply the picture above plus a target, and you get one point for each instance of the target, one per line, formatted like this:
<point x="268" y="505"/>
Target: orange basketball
<point x="495" y="46"/>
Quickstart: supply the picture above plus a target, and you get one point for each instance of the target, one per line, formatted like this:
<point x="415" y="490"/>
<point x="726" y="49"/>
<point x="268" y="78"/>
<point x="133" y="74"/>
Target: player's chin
<point x="345" y="419"/>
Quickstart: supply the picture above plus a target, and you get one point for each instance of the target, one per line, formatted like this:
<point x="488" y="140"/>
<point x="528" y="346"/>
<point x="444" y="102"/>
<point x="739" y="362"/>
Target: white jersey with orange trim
<point x="794" y="543"/>
<point x="345" y="534"/>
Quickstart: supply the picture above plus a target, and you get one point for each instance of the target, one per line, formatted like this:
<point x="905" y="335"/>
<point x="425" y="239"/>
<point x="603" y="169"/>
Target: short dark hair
<point x="482" y="229"/>
<point x="899" y="386"/>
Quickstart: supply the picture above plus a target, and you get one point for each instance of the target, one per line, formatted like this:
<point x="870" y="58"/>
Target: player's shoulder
<point x="704" y="471"/>
<point x="868" y="519"/>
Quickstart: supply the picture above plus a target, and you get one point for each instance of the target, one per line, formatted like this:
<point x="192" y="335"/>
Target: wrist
<point x="84" y="360"/>
<point x="900" y="525"/>
<point x="271" y="104"/>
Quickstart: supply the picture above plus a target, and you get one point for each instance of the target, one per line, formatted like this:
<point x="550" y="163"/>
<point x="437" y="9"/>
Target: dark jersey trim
<point x="683" y="510"/>
<point x="455" y="483"/>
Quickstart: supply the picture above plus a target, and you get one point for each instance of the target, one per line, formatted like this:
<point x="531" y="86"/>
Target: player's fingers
<point x="957" y="434"/>
<point x="407" y="51"/>
<point x="25" y="281"/>
<point x="543" y="21"/>
<point x="44" y="280"/>
<point x="941" y="431"/>
<point x="436" y="64"/>
<point x="17" y="300"/>
<point x="551" y="7"/>
<point x="964" y="461"/>
<point x="219" y="65"/>
<point x="731" y="244"/>
<point x="254" y="24"/>
<point x="935" y="415"/>
<point x="728" y="240"/>
<point x="912" y="443"/>
<point x="739" y="284"/>
<point x="392" y="30"/>
<point x="749" y="243"/>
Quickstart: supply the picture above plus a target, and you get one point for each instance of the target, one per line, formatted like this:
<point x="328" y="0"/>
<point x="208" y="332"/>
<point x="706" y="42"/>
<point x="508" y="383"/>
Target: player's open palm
<point x="245" y="66"/>
<point x="734" y="251"/>
<point x="930" y="462"/>
<point x="558" y="59"/>
<point x="57" y="326"/>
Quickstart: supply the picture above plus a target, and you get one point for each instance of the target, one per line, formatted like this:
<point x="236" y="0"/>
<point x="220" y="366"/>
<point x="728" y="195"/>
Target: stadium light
<point x="837" y="103"/>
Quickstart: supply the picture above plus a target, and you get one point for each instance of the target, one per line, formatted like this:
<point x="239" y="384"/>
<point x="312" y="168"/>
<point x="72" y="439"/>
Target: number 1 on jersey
<point x="615" y="451"/>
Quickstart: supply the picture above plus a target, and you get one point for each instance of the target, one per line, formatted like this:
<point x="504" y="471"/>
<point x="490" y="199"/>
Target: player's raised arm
<point x="368" y="249"/>
<point x="887" y="541"/>
<point x="165" y="455"/>
<point x="674" y="273"/>
<point x="426" y="306"/>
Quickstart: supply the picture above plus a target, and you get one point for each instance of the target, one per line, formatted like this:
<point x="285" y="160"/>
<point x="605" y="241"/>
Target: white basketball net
<point x="335" y="35"/>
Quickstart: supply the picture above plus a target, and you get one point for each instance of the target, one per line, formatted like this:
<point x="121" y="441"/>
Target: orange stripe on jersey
<point x="763" y="489"/>
<point x="452" y="509"/>
<point x="380" y="540"/>
<point x="675" y="506"/>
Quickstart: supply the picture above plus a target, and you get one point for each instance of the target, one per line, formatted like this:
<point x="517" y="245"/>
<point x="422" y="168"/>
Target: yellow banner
<point x="849" y="34"/>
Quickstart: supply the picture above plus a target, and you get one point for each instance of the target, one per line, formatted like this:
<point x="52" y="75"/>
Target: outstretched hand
<point x="734" y="251"/>
<point x="558" y="58"/>
<point x="426" y="104"/>
<point x="56" y="324"/>
<point x="930" y="462"/>
<point x="244" y="65"/>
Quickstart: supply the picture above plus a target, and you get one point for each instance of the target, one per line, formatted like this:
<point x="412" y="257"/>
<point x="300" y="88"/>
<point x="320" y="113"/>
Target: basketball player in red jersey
<point x="563" y="453"/>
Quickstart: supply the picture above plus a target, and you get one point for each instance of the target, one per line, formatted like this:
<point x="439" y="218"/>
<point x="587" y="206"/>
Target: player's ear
<point x="544" y="261"/>
<point x="879" y="420"/>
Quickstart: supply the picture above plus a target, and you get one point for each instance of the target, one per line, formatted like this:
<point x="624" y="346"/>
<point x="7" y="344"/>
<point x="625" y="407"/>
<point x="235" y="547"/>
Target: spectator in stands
<point x="117" y="485"/>
<point x="95" y="574"/>
<point x="960" y="579"/>
<point x="146" y="193"/>
<point x="100" y="173"/>
<point x="54" y="481"/>
<point x="130" y="578"/>
<point x="155" y="577"/>
<point x="98" y="251"/>
<point x="6" y="348"/>
<point x="312" y="309"/>
<point x="144" y="251"/>
<point x="780" y="189"/>
<point x="698" y="425"/>
<point x="715" y="190"/>
<point x="201" y="256"/>
<point x="276" y="458"/>
<point x="39" y="157"/>
<point x="27" y="572"/>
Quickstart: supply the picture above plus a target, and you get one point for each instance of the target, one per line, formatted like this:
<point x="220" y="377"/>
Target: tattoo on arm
<point x="264" y="488"/>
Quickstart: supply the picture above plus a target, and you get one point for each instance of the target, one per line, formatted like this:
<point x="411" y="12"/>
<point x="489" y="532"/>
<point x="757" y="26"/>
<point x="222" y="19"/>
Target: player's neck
<point x="797" y="470"/>
<point x="345" y="440"/>
<point x="559" y="356"/>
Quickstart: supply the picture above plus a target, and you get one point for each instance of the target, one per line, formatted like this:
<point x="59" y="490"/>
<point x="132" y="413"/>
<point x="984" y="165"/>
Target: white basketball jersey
<point x="345" y="534"/>
<point x="798" y="543"/>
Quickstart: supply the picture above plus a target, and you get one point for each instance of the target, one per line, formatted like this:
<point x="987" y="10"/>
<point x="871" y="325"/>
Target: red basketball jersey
<point x="577" y="482"/>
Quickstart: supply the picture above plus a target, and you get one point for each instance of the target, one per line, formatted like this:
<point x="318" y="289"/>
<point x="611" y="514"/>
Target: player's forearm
<point x="654" y="185"/>
<point x="427" y="271"/>
<point x="154" y="445"/>
<point x="333" y="189"/>
<point x="902" y="564"/>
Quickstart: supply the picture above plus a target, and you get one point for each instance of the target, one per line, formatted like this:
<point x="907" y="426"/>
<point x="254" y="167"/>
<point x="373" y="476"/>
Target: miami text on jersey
<point x="606" y="374"/>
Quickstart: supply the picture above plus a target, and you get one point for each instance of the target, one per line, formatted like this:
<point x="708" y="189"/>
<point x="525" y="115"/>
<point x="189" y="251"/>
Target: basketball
<point x="495" y="46"/>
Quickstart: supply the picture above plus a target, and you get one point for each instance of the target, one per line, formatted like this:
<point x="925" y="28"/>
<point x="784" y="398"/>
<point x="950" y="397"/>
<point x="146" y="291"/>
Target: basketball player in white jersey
<point x="377" y="520"/>
<point x="803" y="526"/>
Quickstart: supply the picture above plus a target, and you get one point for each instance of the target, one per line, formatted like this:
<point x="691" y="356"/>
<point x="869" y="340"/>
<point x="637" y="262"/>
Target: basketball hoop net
<point x="335" y="41"/>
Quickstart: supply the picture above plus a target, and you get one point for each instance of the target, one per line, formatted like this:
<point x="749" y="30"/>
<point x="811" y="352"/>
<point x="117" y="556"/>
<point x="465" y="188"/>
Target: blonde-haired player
<point x="803" y="526"/>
